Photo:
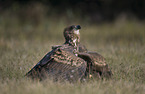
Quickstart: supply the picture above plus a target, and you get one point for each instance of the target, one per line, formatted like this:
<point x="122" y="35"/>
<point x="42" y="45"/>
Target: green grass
<point x="122" y="43"/>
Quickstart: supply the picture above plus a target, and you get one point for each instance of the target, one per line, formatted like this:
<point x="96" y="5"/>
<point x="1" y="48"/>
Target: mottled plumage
<point x="70" y="61"/>
<point x="59" y="64"/>
<point x="96" y="65"/>
<point x="62" y="62"/>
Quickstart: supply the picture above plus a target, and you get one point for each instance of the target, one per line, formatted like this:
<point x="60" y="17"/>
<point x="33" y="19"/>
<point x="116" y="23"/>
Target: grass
<point x="122" y="43"/>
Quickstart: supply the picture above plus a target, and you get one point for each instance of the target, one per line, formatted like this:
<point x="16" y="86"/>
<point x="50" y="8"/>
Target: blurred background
<point x="95" y="11"/>
<point x="102" y="20"/>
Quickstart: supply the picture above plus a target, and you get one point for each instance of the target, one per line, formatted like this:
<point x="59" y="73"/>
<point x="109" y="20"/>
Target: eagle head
<point x="72" y="34"/>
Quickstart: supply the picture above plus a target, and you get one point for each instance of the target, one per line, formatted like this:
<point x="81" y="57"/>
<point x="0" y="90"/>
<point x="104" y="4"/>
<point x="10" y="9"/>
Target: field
<point x="22" y="45"/>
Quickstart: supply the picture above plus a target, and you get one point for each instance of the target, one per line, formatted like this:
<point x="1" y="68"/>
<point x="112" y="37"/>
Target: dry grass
<point x="122" y="43"/>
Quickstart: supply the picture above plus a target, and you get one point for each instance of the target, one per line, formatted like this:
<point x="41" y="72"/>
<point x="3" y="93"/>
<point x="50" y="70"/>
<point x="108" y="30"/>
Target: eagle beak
<point x="78" y="27"/>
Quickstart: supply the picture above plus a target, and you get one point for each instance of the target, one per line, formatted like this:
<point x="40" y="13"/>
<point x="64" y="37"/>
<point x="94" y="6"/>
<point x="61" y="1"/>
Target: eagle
<point x="70" y="61"/>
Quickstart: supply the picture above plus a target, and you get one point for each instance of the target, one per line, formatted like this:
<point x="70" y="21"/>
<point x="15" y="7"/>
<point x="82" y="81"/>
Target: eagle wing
<point x="59" y="64"/>
<point x="96" y="64"/>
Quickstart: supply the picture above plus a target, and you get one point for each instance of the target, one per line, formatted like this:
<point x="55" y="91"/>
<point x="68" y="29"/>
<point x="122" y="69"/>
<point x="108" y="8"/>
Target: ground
<point x="122" y="43"/>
